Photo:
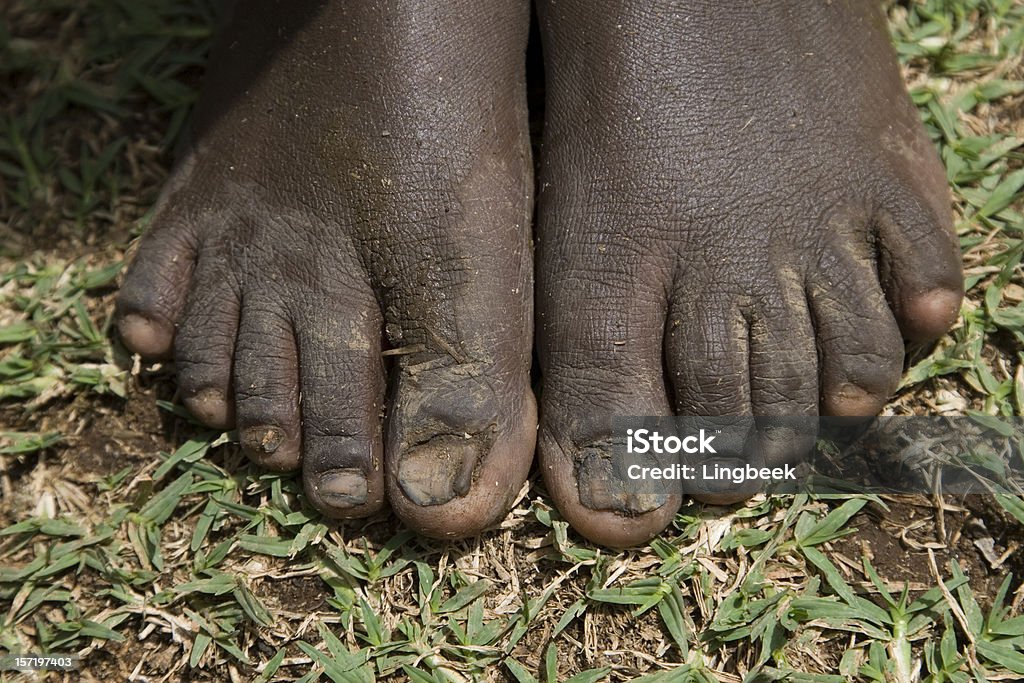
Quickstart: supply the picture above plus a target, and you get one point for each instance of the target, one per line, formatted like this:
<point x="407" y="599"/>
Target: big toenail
<point x="600" y="488"/>
<point x="434" y="472"/>
<point x="145" y="336"/>
<point x="262" y="439"/>
<point x="210" y="406"/>
<point x="342" y="488"/>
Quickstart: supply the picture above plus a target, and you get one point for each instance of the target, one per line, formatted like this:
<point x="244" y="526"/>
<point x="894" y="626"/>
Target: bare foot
<point x="358" y="183"/>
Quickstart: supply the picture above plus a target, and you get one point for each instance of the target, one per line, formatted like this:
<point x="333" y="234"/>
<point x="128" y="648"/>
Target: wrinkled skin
<point x="357" y="181"/>
<point x="739" y="214"/>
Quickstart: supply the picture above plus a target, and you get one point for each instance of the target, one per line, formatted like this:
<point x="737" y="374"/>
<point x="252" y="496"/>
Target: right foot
<point x="357" y="182"/>
<point x="741" y="214"/>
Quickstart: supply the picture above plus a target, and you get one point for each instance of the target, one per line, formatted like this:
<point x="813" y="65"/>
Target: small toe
<point x="920" y="267"/>
<point x="927" y="316"/>
<point x="156" y="286"/>
<point x="850" y="400"/>
<point x="150" y="337"/>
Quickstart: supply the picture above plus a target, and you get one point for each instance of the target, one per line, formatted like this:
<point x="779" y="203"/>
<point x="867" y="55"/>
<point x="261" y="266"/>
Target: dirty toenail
<point x="851" y="400"/>
<point x="437" y="471"/>
<point x="601" y="489"/>
<point x="342" y="488"/>
<point x="785" y="445"/>
<point x="210" y="407"/>
<point x="928" y="316"/>
<point x="262" y="439"/>
<point x="145" y="336"/>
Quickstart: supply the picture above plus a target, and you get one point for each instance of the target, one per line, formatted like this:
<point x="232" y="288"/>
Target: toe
<point x="148" y="334"/>
<point x="437" y="471"/>
<point x="205" y="344"/>
<point x="859" y="341"/>
<point x="342" y="392"/>
<point x="460" y="443"/>
<point x="156" y="285"/>
<point x="920" y="268"/>
<point x="707" y="349"/>
<point x="462" y="423"/>
<point x="266" y="383"/>
<point x="589" y="494"/>
<point x="600" y="348"/>
<point x="928" y="315"/>
<point x="784" y="375"/>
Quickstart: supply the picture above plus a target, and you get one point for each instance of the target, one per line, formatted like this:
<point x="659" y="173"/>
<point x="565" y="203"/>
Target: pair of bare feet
<point x="739" y="213"/>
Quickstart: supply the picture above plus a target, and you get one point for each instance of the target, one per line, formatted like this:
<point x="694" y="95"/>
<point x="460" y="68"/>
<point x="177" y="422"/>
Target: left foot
<point x="358" y="189"/>
<point x="740" y="214"/>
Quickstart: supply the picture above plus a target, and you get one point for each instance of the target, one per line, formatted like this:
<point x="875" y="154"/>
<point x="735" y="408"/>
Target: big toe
<point x="596" y="498"/>
<point x="442" y="468"/>
<point x="601" y="357"/>
<point x="459" y="448"/>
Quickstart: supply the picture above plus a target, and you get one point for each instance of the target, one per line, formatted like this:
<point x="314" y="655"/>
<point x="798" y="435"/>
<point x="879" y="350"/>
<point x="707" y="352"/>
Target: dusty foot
<point x="357" y="182"/>
<point x="740" y="214"/>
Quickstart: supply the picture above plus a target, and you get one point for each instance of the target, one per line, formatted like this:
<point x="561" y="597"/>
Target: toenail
<point x="928" y="316"/>
<point x="784" y="445"/>
<point x="851" y="400"/>
<point x="262" y="439"/>
<point x="600" y="489"/>
<point x="342" y="488"/>
<point x="210" y="407"/>
<point x="437" y="471"/>
<point x="145" y="336"/>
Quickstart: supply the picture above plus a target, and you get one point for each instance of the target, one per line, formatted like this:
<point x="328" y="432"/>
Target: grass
<point x="145" y="544"/>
